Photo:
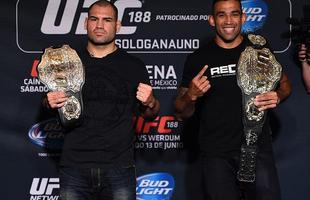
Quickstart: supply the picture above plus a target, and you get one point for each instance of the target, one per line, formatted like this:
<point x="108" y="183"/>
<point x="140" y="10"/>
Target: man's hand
<point x="184" y="104"/>
<point x="267" y="100"/>
<point x="56" y="99"/>
<point x="302" y="54"/>
<point x="304" y="58"/>
<point x="199" y="85"/>
<point x="145" y="95"/>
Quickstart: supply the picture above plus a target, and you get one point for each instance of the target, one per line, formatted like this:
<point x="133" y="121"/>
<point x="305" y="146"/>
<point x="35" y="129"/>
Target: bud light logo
<point x="48" y="134"/>
<point x="256" y="13"/>
<point x="156" y="186"/>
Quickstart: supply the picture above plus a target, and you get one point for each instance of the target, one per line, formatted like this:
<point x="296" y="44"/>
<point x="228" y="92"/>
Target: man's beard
<point x="228" y="40"/>
<point x="99" y="43"/>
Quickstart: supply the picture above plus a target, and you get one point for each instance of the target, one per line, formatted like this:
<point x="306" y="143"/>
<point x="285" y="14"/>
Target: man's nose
<point x="228" y="19"/>
<point x="100" y="24"/>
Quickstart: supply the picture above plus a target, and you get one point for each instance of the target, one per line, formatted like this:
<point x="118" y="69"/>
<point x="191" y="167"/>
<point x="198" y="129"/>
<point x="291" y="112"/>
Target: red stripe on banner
<point x="34" y="72"/>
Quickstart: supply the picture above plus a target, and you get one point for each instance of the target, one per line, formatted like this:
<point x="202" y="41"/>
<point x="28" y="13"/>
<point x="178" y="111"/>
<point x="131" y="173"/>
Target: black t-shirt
<point x="106" y="135"/>
<point x="220" y="109"/>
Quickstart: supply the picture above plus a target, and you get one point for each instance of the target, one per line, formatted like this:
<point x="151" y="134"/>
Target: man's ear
<point x="243" y="18"/>
<point x="118" y="26"/>
<point x="211" y="20"/>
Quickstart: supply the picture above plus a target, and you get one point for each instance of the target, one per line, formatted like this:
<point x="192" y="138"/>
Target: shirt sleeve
<point x="189" y="71"/>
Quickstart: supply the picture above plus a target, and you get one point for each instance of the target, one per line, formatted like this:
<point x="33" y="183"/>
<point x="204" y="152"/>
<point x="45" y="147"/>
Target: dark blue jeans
<point x="220" y="182"/>
<point x="118" y="183"/>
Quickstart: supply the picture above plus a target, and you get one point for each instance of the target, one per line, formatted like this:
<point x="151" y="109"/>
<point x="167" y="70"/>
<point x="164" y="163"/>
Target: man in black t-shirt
<point x="209" y="90"/>
<point x="304" y="58"/>
<point x="97" y="159"/>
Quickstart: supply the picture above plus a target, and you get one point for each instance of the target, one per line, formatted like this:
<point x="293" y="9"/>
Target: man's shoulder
<point x="80" y="49"/>
<point x="203" y="51"/>
<point x="127" y="57"/>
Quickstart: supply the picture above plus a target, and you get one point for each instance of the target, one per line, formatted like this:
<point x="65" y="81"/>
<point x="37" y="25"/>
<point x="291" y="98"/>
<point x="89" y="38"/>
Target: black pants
<point x="220" y="182"/>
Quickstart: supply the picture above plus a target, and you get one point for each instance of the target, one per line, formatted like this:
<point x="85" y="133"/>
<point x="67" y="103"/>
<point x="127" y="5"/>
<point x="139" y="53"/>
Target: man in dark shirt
<point x="97" y="160"/>
<point x="209" y="89"/>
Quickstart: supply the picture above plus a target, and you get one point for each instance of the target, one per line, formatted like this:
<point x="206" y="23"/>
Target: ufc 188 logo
<point x="69" y="13"/>
<point x="162" y="125"/>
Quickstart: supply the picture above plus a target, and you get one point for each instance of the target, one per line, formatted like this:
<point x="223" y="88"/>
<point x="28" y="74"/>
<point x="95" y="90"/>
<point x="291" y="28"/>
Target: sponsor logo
<point x="161" y="133"/>
<point x="161" y="125"/>
<point x="66" y="18"/>
<point x="47" y="134"/>
<point x="57" y="17"/>
<point x="256" y="14"/>
<point x="44" y="188"/>
<point x="155" y="186"/>
<point x="226" y="70"/>
<point x="68" y="13"/>
<point x="162" y="77"/>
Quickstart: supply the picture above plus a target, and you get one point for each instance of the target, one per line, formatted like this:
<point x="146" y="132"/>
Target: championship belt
<point x="258" y="72"/>
<point x="61" y="69"/>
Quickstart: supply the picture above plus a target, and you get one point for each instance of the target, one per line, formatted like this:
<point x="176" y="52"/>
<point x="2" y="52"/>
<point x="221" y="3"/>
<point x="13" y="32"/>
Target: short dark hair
<point x="215" y="1"/>
<point x="104" y="3"/>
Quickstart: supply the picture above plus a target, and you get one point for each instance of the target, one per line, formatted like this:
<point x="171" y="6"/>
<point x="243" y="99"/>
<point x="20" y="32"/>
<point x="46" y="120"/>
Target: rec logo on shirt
<point x="225" y="70"/>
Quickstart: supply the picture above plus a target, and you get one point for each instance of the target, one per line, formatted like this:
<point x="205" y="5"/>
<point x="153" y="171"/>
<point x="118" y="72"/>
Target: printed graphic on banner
<point x="262" y="19"/>
<point x="155" y="186"/>
<point x="32" y="84"/>
<point x="162" y="77"/>
<point x="57" y="21"/>
<point x="138" y="45"/>
<point x="148" y="26"/>
<point x="256" y="15"/>
<point x="44" y="188"/>
<point x="161" y="133"/>
<point x="49" y="135"/>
